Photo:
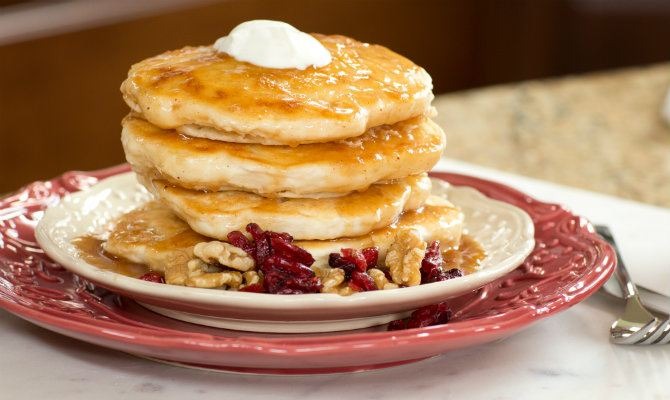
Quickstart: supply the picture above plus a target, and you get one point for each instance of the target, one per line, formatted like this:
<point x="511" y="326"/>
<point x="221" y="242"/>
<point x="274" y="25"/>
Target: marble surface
<point x="566" y="356"/>
<point x="603" y="132"/>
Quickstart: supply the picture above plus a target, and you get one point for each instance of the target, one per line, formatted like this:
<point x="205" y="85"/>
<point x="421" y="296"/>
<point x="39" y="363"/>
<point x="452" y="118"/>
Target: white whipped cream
<point x="273" y="44"/>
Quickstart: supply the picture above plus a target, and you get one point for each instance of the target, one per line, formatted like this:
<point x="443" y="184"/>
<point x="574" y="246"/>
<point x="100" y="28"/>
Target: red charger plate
<point x="569" y="263"/>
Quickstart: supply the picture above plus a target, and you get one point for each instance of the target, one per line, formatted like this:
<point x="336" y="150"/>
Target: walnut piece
<point x="174" y="266"/>
<point x="250" y="278"/>
<point x="225" y="254"/>
<point x="332" y="281"/>
<point x="380" y="279"/>
<point x="404" y="257"/>
<point x="198" y="276"/>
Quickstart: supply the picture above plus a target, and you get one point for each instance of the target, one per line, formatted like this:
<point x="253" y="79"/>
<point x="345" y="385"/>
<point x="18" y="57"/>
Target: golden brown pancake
<point x="213" y="95"/>
<point x="153" y="235"/>
<point x="215" y="214"/>
<point x="168" y="241"/>
<point x="314" y="170"/>
<point x="438" y="219"/>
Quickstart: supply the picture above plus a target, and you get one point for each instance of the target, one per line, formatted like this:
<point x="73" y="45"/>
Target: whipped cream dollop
<point x="273" y="44"/>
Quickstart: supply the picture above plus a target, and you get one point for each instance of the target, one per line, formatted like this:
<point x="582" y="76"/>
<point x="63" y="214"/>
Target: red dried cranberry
<point x="253" y="288"/>
<point x="237" y="238"/>
<point x="335" y="260"/>
<point x="283" y="276"/>
<point x="255" y="231"/>
<point x="355" y="257"/>
<point x="371" y="255"/>
<point x="285" y="266"/>
<point x="153" y="277"/>
<point x="435" y="314"/>
<point x="432" y="260"/>
<point x="278" y="282"/>
<point x="290" y="251"/>
<point x="397" y="325"/>
<point x="438" y="275"/>
<point x="352" y="259"/>
<point x="361" y="282"/>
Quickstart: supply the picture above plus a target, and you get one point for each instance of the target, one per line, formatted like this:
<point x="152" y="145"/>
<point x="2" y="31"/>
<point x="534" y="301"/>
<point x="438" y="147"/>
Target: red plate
<point x="569" y="263"/>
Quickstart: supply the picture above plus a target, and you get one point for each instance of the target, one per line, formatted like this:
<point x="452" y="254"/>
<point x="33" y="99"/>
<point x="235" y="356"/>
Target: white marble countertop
<point x="566" y="356"/>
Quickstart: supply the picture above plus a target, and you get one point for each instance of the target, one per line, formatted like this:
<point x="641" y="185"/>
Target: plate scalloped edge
<point x="575" y="262"/>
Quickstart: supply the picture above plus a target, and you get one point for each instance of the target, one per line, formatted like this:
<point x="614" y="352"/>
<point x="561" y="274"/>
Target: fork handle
<point x="621" y="273"/>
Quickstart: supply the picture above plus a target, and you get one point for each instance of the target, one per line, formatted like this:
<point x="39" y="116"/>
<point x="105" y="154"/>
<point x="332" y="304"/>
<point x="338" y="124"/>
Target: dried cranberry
<point x="432" y="260"/>
<point x="278" y="263"/>
<point x="335" y="260"/>
<point x="255" y="231"/>
<point x="397" y="325"/>
<point x="352" y="259"/>
<point x="284" y="265"/>
<point x="279" y="282"/>
<point x="361" y="282"/>
<point x="431" y="266"/>
<point x="435" y="314"/>
<point x="253" y="288"/>
<point x="438" y="275"/>
<point x="455" y="273"/>
<point x="290" y="251"/>
<point x="283" y="276"/>
<point x="356" y="257"/>
<point x="153" y="277"/>
<point x="371" y="255"/>
<point x="237" y="238"/>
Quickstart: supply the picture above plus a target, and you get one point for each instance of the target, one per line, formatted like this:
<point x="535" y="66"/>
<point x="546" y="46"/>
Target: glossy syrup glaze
<point x="215" y="214"/>
<point x="364" y="86"/>
<point x="384" y="152"/>
<point x="466" y="257"/>
<point x="416" y="136"/>
<point x="152" y="237"/>
<point x="92" y="251"/>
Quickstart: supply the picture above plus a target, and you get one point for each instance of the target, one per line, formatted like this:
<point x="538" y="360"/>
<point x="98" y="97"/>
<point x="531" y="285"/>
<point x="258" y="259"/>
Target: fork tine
<point x="657" y="333"/>
<point x="665" y="339"/>
<point x="636" y="337"/>
<point x="661" y="333"/>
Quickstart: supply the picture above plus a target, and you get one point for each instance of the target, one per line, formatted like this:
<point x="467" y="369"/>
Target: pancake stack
<point x="334" y="156"/>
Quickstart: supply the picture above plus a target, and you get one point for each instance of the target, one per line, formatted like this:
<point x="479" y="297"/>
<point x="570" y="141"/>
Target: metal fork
<point x="637" y="325"/>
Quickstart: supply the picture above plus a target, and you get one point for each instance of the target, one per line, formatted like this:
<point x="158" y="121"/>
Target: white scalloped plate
<point x="506" y="233"/>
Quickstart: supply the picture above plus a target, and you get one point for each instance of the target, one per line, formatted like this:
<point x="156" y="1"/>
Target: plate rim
<point x="295" y="346"/>
<point x="265" y="301"/>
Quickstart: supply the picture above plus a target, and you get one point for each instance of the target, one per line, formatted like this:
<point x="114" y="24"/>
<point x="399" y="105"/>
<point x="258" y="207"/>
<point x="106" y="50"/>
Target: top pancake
<point x="210" y="94"/>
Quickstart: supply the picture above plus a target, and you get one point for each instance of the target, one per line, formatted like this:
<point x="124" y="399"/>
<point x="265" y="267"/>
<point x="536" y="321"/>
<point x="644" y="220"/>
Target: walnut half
<point x="404" y="257"/>
<point x="225" y="254"/>
<point x="250" y="278"/>
<point x="199" y="275"/>
<point x="332" y="280"/>
<point x="380" y="279"/>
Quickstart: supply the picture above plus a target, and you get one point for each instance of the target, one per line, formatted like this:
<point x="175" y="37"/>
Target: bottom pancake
<point x="438" y="219"/>
<point x="215" y="214"/>
<point x="154" y="236"/>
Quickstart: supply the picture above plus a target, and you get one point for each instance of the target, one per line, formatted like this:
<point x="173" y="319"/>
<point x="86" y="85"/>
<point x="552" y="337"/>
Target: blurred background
<point x="61" y="62"/>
